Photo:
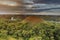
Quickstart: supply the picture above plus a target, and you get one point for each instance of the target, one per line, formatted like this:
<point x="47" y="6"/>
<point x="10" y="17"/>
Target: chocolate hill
<point x="33" y="19"/>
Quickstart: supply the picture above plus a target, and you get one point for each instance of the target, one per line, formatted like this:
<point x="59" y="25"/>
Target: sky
<point x="9" y="3"/>
<point x="47" y="1"/>
<point x="8" y="6"/>
<point x="13" y="6"/>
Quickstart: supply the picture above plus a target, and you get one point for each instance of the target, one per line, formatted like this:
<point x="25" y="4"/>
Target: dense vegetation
<point x="15" y="30"/>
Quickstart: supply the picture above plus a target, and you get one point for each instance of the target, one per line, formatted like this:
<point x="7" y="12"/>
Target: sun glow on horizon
<point x="9" y="3"/>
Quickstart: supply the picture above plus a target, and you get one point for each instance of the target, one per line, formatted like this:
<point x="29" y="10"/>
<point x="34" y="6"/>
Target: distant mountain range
<point x="47" y="1"/>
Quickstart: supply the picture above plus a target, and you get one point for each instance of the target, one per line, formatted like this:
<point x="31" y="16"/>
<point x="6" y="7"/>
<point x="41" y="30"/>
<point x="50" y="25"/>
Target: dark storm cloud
<point x="47" y="1"/>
